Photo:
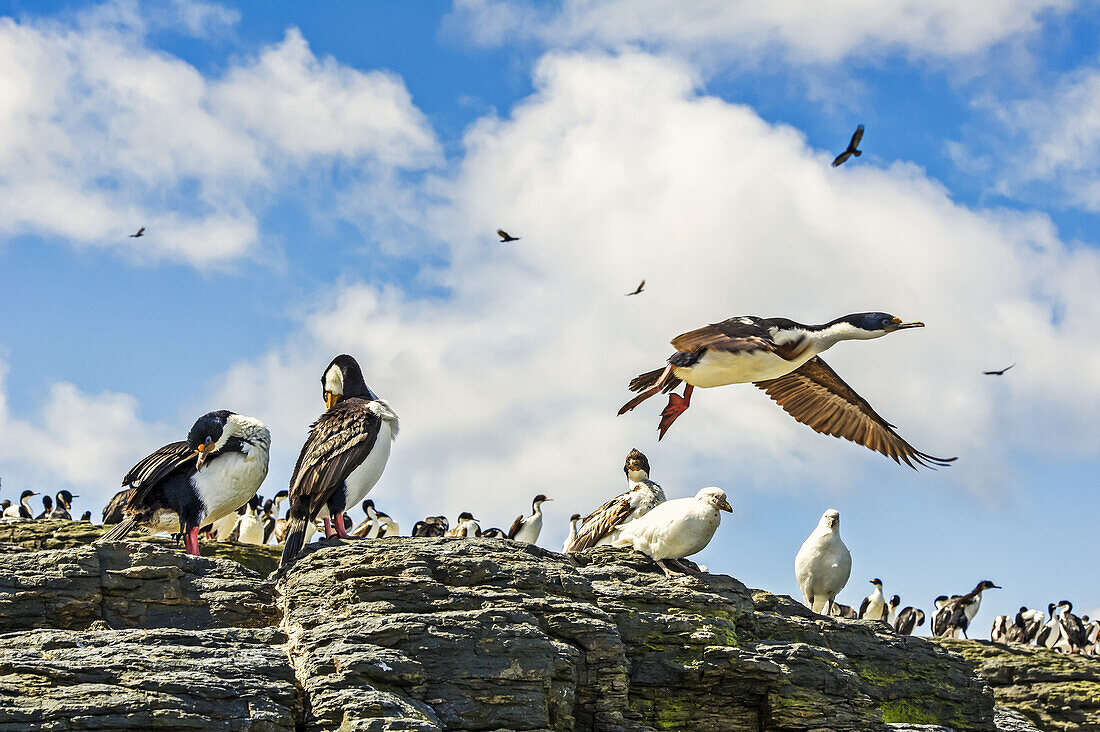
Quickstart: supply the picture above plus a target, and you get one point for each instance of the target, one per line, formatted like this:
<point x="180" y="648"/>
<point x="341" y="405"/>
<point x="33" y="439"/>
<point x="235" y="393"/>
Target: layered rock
<point x="1056" y="691"/>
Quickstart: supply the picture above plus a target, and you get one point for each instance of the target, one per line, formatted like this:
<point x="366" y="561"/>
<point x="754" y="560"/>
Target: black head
<point x="1067" y="605"/>
<point x="206" y="434"/>
<point x="895" y="601"/>
<point x="64" y="498"/>
<point x="1023" y="609"/>
<point x="282" y="494"/>
<point x="86" y="516"/>
<point x="5" y="504"/>
<point x="466" y="516"/>
<point x="877" y="582"/>
<point x="575" y="517"/>
<point x="636" y="461"/>
<point x="26" y="494"/>
<point x="876" y="323"/>
<point x="47" y="502"/>
<point x="368" y="505"/>
<point x="343" y="379"/>
<point x="540" y="498"/>
<point x="987" y="585"/>
<point x="1050" y="608"/>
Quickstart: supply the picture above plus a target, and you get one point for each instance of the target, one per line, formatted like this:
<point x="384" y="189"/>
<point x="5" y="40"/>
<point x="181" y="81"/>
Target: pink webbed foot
<point x="328" y="528"/>
<point x="191" y="542"/>
<point x="677" y="405"/>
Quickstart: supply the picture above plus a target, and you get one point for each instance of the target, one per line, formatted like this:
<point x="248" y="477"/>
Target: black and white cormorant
<point x="62" y="505"/>
<point x="431" y="526"/>
<point x="86" y="516"/>
<point x="642" y="495"/>
<point x="47" y="507"/>
<point x="847" y="612"/>
<point x="780" y="356"/>
<point x="112" y="512"/>
<point x="466" y="527"/>
<point x="999" y="632"/>
<point x="908" y="619"/>
<point x="21" y="509"/>
<point x="890" y="613"/>
<point x="494" y="533"/>
<point x="874" y="605"/>
<point x="574" y="520"/>
<point x="526" y="529"/>
<point x="343" y="457"/>
<point x="187" y="484"/>
<point x="956" y="614"/>
<point x="1074" y="629"/>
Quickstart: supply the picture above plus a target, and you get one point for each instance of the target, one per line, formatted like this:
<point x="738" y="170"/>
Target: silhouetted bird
<point x="641" y="287"/>
<point x="505" y="237"/>
<point x="998" y="373"/>
<point x="140" y="232"/>
<point x="852" y="148"/>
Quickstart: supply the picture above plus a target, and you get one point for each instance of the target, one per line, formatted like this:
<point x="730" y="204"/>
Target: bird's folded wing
<point x="729" y="335"/>
<point x="155" y="467"/>
<point x="516" y="526"/>
<point x="602" y="523"/>
<point x="339" y="442"/>
<point x="815" y="396"/>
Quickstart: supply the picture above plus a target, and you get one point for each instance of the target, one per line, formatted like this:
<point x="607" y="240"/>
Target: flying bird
<point x="780" y="356"/>
<point x="998" y="373"/>
<point x="140" y="232"/>
<point x="641" y="286"/>
<point x="852" y="148"/>
<point x="343" y="457"/>
<point x="187" y="484"/>
<point x="505" y="237"/>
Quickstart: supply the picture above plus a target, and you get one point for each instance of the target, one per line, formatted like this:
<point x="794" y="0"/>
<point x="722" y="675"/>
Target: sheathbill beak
<point x="725" y="506"/>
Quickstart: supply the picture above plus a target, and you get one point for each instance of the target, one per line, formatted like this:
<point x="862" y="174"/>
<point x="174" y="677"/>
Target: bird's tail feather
<point x="649" y="378"/>
<point x="295" y="540"/>
<point x="118" y="532"/>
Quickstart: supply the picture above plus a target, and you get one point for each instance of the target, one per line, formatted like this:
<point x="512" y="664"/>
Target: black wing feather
<point x="155" y="467"/>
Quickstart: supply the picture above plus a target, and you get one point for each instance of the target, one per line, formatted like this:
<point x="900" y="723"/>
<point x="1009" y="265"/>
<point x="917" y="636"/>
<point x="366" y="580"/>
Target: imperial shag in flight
<point x="780" y="356"/>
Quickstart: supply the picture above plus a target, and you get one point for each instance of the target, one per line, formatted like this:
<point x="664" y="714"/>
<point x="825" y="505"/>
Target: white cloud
<point x="74" y="440"/>
<point x="101" y="134"/>
<point x="616" y="169"/>
<point x="803" y="31"/>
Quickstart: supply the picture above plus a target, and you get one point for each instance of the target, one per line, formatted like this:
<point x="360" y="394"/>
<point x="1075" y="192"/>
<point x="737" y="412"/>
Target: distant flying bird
<point x="851" y="148"/>
<point x="641" y="286"/>
<point x="998" y="373"/>
<point x="780" y="356"/>
<point x="140" y="232"/>
<point x="505" y="237"/>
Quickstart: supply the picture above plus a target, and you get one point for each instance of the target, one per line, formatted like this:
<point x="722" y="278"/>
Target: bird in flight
<point x="505" y="237"/>
<point x="641" y="286"/>
<point x="852" y="148"/>
<point x="998" y="373"/>
<point x="780" y="357"/>
<point x="140" y="232"/>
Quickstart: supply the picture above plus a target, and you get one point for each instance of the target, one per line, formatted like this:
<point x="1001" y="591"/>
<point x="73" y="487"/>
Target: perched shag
<point x="999" y="632"/>
<point x="890" y="615"/>
<point x="343" y="457"/>
<point x="940" y="616"/>
<point x="62" y="505"/>
<point x="526" y="529"/>
<point x="823" y="564"/>
<point x="22" y="509"/>
<point x="188" y="484"/>
<point x="844" y="611"/>
<point x="959" y="611"/>
<point x="676" y="529"/>
<point x="466" y="527"/>
<point x="908" y="619"/>
<point x="431" y="526"/>
<point x="271" y="514"/>
<point x="601" y="526"/>
<point x="1050" y="635"/>
<point x="493" y="533"/>
<point x="572" y="536"/>
<point x="780" y="357"/>
<point x="250" y="526"/>
<point x="852" y="149"/>
<point x="86" y="516"/>
<point x="874" y="605"/>
<point x="1074" y="629"/>
<point x="112" y="512"/>
<point x="636" y="467"/>
<point x="47" y="508"/>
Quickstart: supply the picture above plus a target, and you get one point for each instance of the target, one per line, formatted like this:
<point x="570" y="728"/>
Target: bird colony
<point x="206" y="487"/>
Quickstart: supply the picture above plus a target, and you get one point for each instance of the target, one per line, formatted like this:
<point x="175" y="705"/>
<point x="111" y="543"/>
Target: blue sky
<point x="316" y="181"/>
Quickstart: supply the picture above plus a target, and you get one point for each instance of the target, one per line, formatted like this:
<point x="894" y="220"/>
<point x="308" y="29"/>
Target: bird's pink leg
<point x="648" y="392"/>
<point x="677" y="405"/>
<point x="191" y="542"/>
<point x="338" y="522"/>
<point x="328" y="528"/>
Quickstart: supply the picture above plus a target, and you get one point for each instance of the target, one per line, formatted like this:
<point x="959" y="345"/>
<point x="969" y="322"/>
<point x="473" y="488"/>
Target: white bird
<point x="676" y="529"/>
<point x="874" y="605"/>
<point x="823" y="564"/>
<point x="526" y="529"/>
<point x="250" y="528"/>
<point x="573" y="521"/>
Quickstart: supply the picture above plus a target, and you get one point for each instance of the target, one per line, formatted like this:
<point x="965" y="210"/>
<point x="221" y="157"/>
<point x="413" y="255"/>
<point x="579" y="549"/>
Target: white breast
<point x="529" y="532"/>
<point x="674" y="529"/>
<point x="227" y="482"/>
<point x="822" y="566"/>
<point x="361" y="480"/>
<point x="719" y="368"/>
<point x="251" y="529"/>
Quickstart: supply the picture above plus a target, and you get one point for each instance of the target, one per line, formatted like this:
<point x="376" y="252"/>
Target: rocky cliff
<point x="441" y="634"/>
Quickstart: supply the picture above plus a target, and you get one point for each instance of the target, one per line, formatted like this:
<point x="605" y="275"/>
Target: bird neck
<point x="536" y="510"/>
<point x="823" y="337"/>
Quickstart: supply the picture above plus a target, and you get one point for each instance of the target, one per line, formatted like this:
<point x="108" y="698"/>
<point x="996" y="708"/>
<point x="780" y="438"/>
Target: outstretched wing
<point x="735" y="334"/>
<point x="839" y="159"/>
<point x="856" y="138"/>
<point x="155" y="467"/>
<point x="338" y="443"/>
<point x="815" y="396"/>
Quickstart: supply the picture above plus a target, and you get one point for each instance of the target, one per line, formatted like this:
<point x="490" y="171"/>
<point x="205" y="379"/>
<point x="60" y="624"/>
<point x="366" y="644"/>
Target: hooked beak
<point x="899" y="325"/>
<point x="725" y="506"/>
<point x="202" y="451"/>
<point x="331" y="399"/>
